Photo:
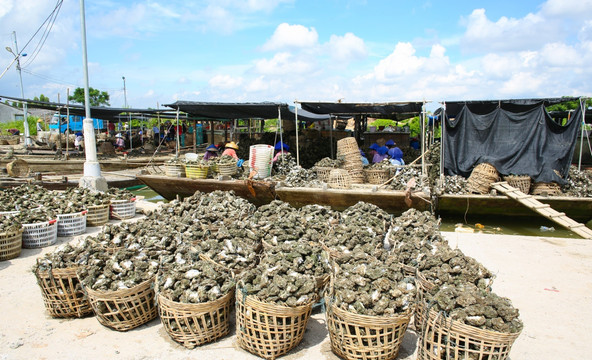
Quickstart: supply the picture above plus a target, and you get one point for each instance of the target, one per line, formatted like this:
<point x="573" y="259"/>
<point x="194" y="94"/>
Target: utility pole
<point x="92" y="178"/>
<point x="124" y="93"/>
<point x="18" y="67"/>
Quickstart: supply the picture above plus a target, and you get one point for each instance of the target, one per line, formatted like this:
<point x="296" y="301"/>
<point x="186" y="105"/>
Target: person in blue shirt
<point x="380" y="155"/>
<point x="364" y="159"/>
<point x="396" y="155"/>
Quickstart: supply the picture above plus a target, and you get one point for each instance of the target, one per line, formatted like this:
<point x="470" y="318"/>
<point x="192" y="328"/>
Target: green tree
<point x="97" y="97"/>
<point x="41" y="98"/>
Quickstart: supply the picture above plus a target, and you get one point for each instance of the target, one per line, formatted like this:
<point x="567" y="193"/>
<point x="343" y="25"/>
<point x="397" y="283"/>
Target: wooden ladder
<point x="543" y="209"/>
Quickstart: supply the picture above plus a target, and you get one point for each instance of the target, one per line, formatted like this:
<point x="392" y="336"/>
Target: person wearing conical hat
<point x="211" y="152"/>
<point x="281" y="149"/>
<point x="230" y="150"/>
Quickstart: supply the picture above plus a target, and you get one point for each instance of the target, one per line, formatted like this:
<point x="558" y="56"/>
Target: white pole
<point x="92" y="169"/>
<point x="297" y="149"/>
<point x="281" y="135"/>
<point x="177" y="136"/>
<point x="67" y="121"/>
<point x="442" y="136"/>
<point x="25" y="112"/>
<point x="583" y="109"/>
<point x="422" y="128"/>
<point x="331" y="134"/>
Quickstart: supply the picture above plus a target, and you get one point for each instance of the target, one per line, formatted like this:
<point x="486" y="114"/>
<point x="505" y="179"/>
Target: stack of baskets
<point x="125" y="309"/>
<point x="546" y="189"/>
<point x="174" y="170"/>
<point x="339" y="179"/>
<point x="260" y="160"/>
<point x="72" y="224"/>
<point x="193" y="325"/>
<point x="62" y="294"/>
<point x="196" y="171"/>
<point x="269" y="330"/>
<point x="347" y="148"/>
<point x="520" y="182"/>
<point x="481" y="178"/>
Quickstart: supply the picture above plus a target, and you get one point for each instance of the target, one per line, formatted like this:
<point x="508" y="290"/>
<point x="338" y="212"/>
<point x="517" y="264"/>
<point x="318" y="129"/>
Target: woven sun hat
<point x="232" y="145"/>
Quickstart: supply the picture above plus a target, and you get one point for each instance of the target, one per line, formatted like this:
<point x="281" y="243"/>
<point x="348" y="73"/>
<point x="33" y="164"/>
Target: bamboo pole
<point x="411" y="163"/>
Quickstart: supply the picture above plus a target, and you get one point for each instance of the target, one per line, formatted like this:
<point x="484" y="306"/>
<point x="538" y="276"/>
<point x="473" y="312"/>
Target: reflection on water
<point x="529" y="226"/>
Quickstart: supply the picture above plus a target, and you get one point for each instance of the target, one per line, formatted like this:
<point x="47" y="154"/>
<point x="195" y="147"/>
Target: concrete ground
<point x="548" y="279"/>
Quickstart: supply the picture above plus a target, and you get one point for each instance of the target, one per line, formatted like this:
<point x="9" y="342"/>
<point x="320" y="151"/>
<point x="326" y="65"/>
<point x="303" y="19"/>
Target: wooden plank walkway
<point x="543" y="209"/>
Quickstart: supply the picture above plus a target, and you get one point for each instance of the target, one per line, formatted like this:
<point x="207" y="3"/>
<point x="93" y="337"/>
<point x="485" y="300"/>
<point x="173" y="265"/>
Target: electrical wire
<point x="45" y="77"/>
<point x="52" y="18"/>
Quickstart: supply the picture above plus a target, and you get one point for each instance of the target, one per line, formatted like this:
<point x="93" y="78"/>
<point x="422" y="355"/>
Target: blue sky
<point x="286" y="50"/>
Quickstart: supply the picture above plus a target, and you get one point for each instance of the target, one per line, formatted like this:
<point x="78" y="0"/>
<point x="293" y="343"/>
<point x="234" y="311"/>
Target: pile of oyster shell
<point x="328" y="162"/>
<point x="455" y="185"/>
<point x="365" y="285"/>
<point x="477" y="307"/>
<point x="405" y="174"/>
<point x="289" y="174"/>
<point x="578" y="183"/>
<point x="383" y="165"/>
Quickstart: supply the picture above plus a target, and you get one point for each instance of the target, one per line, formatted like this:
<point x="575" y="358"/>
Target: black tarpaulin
<point x="519" y="143"/>
<point x="514" y="105"/>
<point x="394" y="110"/>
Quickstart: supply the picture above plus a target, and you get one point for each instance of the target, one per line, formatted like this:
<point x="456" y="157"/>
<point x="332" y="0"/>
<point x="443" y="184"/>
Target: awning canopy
<point x="391" y="110"/>
<point x="97" y="112"/>
<point x="261" y="110"/>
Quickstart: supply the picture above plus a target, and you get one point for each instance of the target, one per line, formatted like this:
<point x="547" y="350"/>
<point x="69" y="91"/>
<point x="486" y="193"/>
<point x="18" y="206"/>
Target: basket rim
<point x="109" y="294"/>
<point x="273" y="308"/>
<point x="12" y="233"/>
<point x="369" y="320"/>
<point x="198" y="307"/>
<point x="93" y="207"/>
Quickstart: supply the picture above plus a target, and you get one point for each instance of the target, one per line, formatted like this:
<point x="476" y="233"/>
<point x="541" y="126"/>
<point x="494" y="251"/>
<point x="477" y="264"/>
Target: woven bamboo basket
<point x="214" y="169"/>
<point x="347" y="145"/>
<point x="353" y="162"/>
<point x="174" y="170"/>
<point x="227" y="169"/>
<point x="196" y="171"/>
<point x="269" y="330"/>
<point x="376" y="176"/>
<point x="546" y="189"/>
<point x="423" y="286"/>
<point x="18" y="168"/>
<point x="13" y="140"/>
<point x="11" y="243"/>
<point x="62" y="293"/>
<point x="323" y="173"/>
<point x="123" y="310"/>
<point x="193" y="325"/>
<point x="41" y="234"/>
<point x="481" y="178"/>
<point x="521" y="182"/>
<point x="97" y="215"/>
<point x="339" y="179"/>
<point x="357" y="176"/>
<point x="3" y="142"/>
<point x="355" y="336"/>
<point x="443" y="338"/>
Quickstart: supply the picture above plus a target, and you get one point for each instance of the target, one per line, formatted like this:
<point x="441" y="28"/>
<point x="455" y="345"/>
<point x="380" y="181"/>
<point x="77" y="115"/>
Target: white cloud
<point x="567" y="8"/>
<point x="288" y="36"/>
<point x="225" y="82"/>
<point x="347" y="48"/>
<point x="283" y="63"/>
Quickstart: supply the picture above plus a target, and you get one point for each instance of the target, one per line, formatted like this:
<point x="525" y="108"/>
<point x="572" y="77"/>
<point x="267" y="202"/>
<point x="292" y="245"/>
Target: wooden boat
<point x="74" y="166"/>
<point x="501" y="205"/>
<point x="263" y="192"/>
<point x="257" y="192"/>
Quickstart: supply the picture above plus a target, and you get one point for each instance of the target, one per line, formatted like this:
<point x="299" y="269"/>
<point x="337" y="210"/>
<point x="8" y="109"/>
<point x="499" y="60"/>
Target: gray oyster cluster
<point x="413" y="236"/>
<point x="455" y="185"/>
<point x="123" y="269"/>
<point x="319" y="219"/>
<point x="448" y="266"/>
<point x="476" y="307"/>
<point x="579" y="183"/>
<point x="223" y="160"/>
<point x="369" y="286"/>
<point x="362" y="226"/>
<point x="9" y="223"/>
<point x="291" y="175"/>
<point x="383" y="165"/>
<point x="279" y="285"/>
<point x="87" y="197"/>
<point x="24" y="197"/>
<point x="301" y="256"/>
<point x="278" y="222"/>
<point x="405" y="174"/>
<point x="64" y="256"/>
<point x="328" y="162"/>
<point x="187" y="279"/>
<point x="119" y="194"/>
